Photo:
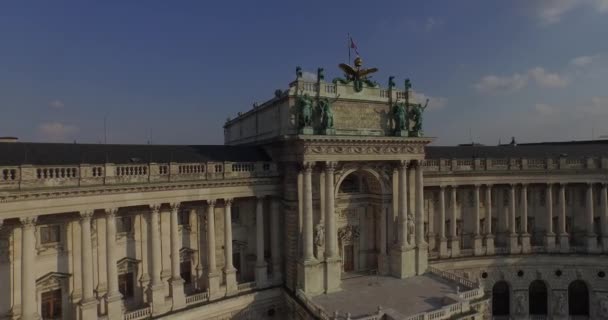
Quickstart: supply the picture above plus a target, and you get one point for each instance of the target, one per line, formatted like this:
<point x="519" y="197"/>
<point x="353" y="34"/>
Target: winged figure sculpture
<point x="356" y="73"/>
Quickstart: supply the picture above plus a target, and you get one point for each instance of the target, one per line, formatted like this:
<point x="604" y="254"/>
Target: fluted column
<point x="260" y="265"/>
<point x="419" y="205"/>
<point x="156" y="290"/>
<point x="229" y="270"/>
<point x="29" y="306"/>
<point x="331" y="238"/>
<point x="113" y="296"/>
<point x="88" y="303"/>
<point x="213" y="277"/>
<point x="513" y="238"/>
<point x="275" y="207"/>
<point x="591" y="236"/>
<point x="604" y="217"/>
<point x="564" y="241"/>
<point x="403" y="236"/>
<point x="443" y="241"/>
<point x="549" y="235"/>
<point x="477" y="238"/>
<point x="454" y="241"/>
<point x="489" y="234"/>
<point x="177" y="283"/>
<point x="308" y="218"/>
<point x="525" y="236"/>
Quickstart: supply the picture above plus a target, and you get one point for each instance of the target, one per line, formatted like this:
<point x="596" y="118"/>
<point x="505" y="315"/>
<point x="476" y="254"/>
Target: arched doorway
<point x="500" y="299"/>
<point x="359" y="206"/>
<point x="578" y="298"/>
<point x="537" y="303"/>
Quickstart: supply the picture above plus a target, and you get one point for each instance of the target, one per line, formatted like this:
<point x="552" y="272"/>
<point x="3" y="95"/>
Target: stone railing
<point x="329" y="89"/>
<point x="246" y="286"/>
<point x="30" y="177"/>
<point x="317" y="311"/>
<point x="515" y="164"/>
<point x="138" y="314"/>
<point x="453" y="277"/>
<point x="197" y="298"/>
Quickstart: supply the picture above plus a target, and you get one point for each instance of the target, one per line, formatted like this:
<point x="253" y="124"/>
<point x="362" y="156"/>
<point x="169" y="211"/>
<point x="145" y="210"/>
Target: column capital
<point x="228" y="202"/>
<point x="403" y="164"/>
<point x="307" y="166"/>
<point x="111" y="212"/>
<point x="562" y="184"/>
<point x="442" y="187"/>
<point x="330" y="165"/>
<point x="211" y="202"/>
<point x="260" y="198"/>
<point x="476" y="186"/>
<point x="86" y="215"/>
<point x="155" y="207"/>
<point x="590" y="184"/>
<point x="524" y="185"/>
<point x="28" y="221"/>
<point x="175" y="206"/>
<point x="489" y="185"/>
<point x="604" y="185"/>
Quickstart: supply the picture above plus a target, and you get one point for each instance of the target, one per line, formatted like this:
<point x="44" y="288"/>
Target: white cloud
<point x="493" y="83"/>
<point x="309" y="76"/>
<point x="583" y="61"/>
<point x="57" y="104"/>
<point x="56" y="131"/>
<point x="432" y="23"/>
<point x="552" y="11"/>
<point x="546" y="79"/>
<point x="435" y="103"/>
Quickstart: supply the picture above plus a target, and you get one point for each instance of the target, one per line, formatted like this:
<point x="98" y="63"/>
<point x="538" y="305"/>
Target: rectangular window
<point x="125" y="285"/>
<point x="235" y="215"/>
<point x="185" y="271"/>
<point x="266" y="167"/>
<point x="124" y="224"/>
<point x="184" y="218"/>
<point x="51" y="304"/>
<point x="49" y="234"/>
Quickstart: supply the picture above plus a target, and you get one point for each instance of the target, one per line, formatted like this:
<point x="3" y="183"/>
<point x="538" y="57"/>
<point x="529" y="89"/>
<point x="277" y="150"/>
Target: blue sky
<point x="173" y="71"/>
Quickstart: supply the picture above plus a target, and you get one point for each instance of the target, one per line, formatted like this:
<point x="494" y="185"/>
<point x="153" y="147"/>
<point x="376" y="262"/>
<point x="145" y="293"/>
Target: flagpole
<point x="349" y="45"/>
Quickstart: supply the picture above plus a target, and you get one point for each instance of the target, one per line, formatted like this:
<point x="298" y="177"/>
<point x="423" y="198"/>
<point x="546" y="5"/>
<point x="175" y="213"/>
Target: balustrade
<point x="138" y="314"/>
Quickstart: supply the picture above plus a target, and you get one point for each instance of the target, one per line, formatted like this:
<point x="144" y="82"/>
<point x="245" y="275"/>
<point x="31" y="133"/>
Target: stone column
<point x="309" y="272"/>
<point x="113" y="296"/>
<point x="383" y="262"/>
<point x="443" y="241"/>
<point x="177" y="283"/>
<point x="157" y="287"/>
<point x="513" y="238"/>
<point x="489" y="234"/>
<point x="333" y="267"/>
<point x="229" y="270"/>
<point x="29" y="305"/>
<point x="261" y="275"/>
<point x="549" y="235"/>
<point x="525" y="236"/>
<point x="454" y="241"/>
<point x="88" y="303"/>
<point x="477" y="238"/>
<point x="422" y="251"/>
<point x="564" y="239"/>
<point x="403" y="236"/>
<point x="604" y="217"/>
<point x="275" y="207"/>
<point x="308" y="218"/>
<point x="213" y="276"/>
<point x="591" y="243"/>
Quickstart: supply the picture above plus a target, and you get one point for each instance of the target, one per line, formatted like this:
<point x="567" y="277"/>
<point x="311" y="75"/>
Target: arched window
<point x="500" y="299"/>
<point x="350" y="184"/>
<point x="578" y="298"/>
<point x="538" y="297"/>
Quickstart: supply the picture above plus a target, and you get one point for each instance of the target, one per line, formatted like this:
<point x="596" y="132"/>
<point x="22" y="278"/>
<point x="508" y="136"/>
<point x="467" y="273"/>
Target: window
<point x="124" y="224"/>
<point x="51" y="304"/>
<point x="185" y="271"/>
<point x="235" y="215"/>
<point x="266" y="167"/>
<point x="125" y="285"/>
<point x="49" y="234"/>
<point x="184" y="218"/>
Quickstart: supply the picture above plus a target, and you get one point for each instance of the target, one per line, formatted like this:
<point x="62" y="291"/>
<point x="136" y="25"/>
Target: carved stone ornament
<point x="559" y="306"/>
<point x="370" y="149"/>
<point x="602" y="308"/>
<point x="319" y="235"/>
<point x="520" y="303"/>
<point x="348" y="233"/>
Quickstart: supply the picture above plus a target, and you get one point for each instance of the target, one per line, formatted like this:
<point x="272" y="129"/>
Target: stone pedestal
<point x="261" y="276"/>
<point x="399" y="133"/>
<point x="333" y="270"/>
<point x="307" y="130"/>
<point x="403" y="262"/>
<point x="156" y="294"/>
<point x="443" y="248"/>
<point x="455" y="243"/>
<point x="329" y="131"/>
<point x="114" y="306"/>
<point x="213" y="282"/>
<point x="478" y="245"/>
<point x="422" y="258"/>
<point x="550" y="242"/>
<point x="525" y="243"/>
<point x="591" y="243"/>
<point x="490" y="251"/>
<point x="88" y="309"/>
<point x="231" y="284"/>
<point x="514" y="244"/>
<point x="564" y="243"/>
<point x="310" y="277"/>
<point x="177" y="294"/>
<point x="383" y="264"/>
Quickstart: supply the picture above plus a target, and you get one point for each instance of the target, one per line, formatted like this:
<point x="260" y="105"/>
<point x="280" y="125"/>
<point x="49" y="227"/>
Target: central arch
<point x="500" y="299"/>
<point x="360" y="195"/>
<point x="578" y="298"/>
<point x="538" y="298"/>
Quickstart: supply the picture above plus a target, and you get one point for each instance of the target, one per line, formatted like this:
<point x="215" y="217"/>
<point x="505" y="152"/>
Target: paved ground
<point x="362" y="295"/>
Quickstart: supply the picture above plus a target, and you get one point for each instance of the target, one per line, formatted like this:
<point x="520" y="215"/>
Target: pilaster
<point x="177" y="283"/>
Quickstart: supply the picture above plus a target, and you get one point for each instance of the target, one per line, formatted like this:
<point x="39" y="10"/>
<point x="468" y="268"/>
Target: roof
<point x="570" y="149"/>
<point x="17" y="153"/>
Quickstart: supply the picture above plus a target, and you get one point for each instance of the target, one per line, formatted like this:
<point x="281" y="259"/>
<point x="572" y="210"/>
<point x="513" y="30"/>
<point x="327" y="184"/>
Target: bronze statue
<point x="357" y="75"/>
<point x="327" y="115"/>
<point x="305" y="115"/>
<point x="400" y="117"/>
<point x="415" y="115"/>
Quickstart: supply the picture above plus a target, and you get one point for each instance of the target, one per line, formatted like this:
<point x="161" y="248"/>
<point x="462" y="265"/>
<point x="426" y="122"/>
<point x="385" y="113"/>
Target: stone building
<point x="325" y="183"/>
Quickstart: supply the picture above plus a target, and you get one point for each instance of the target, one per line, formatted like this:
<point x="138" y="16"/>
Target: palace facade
<point x="324" y="183"/>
